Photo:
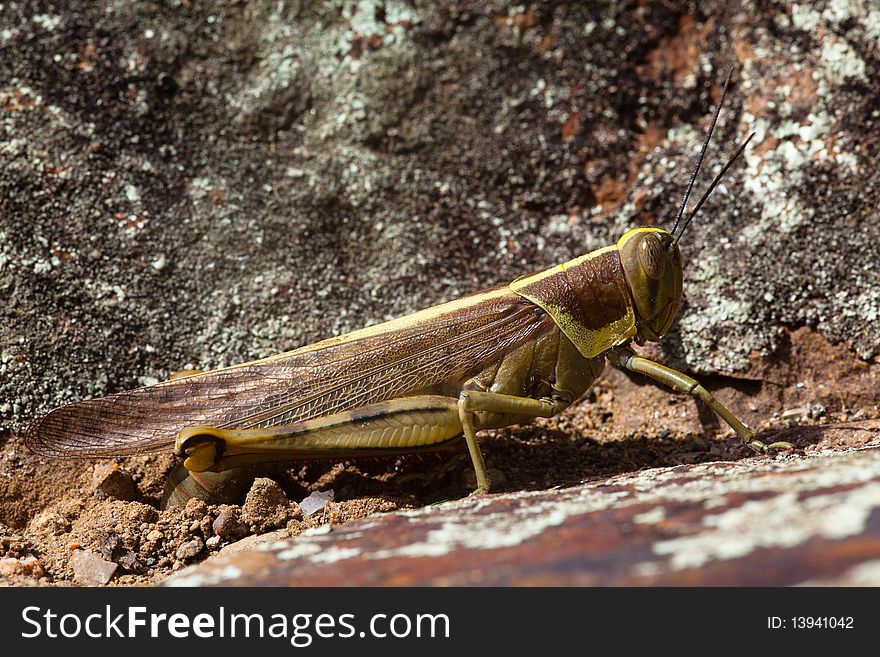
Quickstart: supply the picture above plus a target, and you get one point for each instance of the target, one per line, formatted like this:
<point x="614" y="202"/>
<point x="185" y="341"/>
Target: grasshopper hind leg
<point x="393" y="427"/>
<point x="397" y="426"/>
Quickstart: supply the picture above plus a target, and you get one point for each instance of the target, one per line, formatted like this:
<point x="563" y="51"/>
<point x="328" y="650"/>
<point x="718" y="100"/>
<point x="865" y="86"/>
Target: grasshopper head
<point x="652" y="266"/>
<point x="650" y="256"/>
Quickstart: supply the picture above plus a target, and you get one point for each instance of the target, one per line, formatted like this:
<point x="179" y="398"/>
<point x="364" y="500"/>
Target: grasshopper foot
<point x="480" y="490"/>
<point x="761" y="447"/>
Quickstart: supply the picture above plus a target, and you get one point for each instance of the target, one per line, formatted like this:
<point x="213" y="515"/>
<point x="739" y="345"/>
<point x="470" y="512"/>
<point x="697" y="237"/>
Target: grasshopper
<point x="495" y="358"/>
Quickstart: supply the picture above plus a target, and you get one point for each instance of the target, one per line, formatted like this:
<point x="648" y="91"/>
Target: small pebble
<point x="109" y="480"/>
<point x="795" y="412"/>
<point x="32" y="566"/>
<point x="190" y="549"/>
<point x="128" y="561"/>
<point x="28" y="566"/>
<point x="195" y="508"/>
<point x="316" y="502"/>
<point x="267" y="507"/>
<point x="89" y="569"/>
<point x="109" y="543"/>
<point x="49" y="522"/>
<point x="266" y="493"/>
<point x="229" y="525"/>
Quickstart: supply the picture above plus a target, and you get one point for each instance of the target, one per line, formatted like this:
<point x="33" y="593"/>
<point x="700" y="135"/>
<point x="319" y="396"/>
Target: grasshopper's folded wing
<point x="443" y="344"/>
<point x="144" y="419"/>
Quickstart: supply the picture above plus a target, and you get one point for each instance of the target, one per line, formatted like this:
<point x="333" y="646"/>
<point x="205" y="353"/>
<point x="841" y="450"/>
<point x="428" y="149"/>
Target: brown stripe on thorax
<point x="588" y="299"/>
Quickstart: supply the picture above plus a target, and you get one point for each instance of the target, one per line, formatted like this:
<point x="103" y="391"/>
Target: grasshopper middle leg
<point x="680" y="382"/>
<point x="473" y="401"/>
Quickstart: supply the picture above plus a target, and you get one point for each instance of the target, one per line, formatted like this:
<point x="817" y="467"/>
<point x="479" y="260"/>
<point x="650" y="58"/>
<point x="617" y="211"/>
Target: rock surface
<point x="761" y="522"/>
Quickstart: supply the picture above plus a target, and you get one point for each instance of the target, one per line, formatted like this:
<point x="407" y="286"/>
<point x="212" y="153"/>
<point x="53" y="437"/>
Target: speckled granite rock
<point x="784" y="521"/>
<point x="207" y="183"/>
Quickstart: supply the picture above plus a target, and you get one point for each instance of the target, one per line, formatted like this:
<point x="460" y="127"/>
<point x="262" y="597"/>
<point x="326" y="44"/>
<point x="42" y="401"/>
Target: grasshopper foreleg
<point x="627" y="359"/>
<point x="474" y="401"/>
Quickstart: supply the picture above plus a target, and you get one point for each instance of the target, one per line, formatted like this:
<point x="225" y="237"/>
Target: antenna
<point x="715" y="182"/>
<point x="690" y="186"/>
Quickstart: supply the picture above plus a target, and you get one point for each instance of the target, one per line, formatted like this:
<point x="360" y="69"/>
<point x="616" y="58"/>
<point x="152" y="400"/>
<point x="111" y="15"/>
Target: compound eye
<point x="650" y="254"/>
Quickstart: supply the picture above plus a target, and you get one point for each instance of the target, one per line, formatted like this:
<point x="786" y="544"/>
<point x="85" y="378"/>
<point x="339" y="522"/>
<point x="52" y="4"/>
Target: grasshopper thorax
<point x="652" y="267"/>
